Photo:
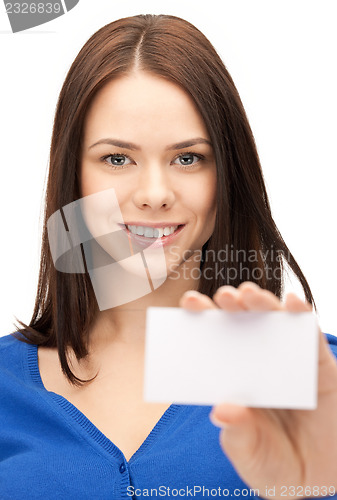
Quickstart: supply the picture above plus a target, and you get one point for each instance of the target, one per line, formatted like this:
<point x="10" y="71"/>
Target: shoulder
<point x="332" y="340"/>
<point x="11" y="350"/>
<point x="9" y="342"/>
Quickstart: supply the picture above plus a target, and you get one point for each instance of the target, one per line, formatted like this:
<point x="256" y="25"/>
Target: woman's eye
<point x="187" y="159"/>
<point x="116" y="160"/>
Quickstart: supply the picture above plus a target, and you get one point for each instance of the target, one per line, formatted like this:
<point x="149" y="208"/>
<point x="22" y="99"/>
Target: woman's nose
<point x="154" y="188"/>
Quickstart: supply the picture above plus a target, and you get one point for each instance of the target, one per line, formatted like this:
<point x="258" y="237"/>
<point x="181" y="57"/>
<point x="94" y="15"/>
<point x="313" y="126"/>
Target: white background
<point x="282" y="57"/>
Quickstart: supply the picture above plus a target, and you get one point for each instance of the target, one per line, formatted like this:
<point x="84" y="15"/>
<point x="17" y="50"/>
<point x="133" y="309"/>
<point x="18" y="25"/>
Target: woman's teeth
<point x="152" y="232"/>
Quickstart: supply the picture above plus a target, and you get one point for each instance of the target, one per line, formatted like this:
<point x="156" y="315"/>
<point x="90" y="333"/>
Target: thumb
<point x="239" y="437"/>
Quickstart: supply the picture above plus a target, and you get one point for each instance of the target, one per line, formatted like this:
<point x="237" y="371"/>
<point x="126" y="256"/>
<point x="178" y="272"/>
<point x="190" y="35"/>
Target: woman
<point x="149" y="111"/>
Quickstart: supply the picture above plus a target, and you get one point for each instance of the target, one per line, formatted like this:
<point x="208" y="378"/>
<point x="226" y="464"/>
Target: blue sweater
<point x="50" y="450"/>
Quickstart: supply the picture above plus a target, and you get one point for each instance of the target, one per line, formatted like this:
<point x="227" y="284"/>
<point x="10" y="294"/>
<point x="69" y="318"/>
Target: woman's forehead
<point x="144" y="104"/>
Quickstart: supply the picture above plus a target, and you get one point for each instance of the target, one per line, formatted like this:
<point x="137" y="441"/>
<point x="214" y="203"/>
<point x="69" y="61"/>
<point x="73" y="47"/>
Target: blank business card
<point x="258" y="359"/>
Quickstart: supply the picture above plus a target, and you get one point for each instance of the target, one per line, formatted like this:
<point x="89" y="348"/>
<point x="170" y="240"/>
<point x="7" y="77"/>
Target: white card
<point x="261" y="359"/>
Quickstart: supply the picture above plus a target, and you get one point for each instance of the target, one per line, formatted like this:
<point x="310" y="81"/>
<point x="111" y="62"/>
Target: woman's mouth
<point x="151" y="235"/>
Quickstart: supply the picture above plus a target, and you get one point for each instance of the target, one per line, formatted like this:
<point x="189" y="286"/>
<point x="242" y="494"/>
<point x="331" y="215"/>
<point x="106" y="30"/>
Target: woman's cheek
<point x="94" y="179"/>
<point x="205" y="192"/>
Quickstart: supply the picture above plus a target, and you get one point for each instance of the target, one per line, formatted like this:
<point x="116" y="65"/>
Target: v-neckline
<point x="72" y="412"/>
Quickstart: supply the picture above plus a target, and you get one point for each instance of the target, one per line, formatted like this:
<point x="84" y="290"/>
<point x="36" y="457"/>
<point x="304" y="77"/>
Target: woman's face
<point x="145" y="138"/>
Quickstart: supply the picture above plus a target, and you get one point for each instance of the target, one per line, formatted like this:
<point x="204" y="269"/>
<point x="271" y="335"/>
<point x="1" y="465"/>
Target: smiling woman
<point x="149" y="115"/>
<point x="163" y="47"/>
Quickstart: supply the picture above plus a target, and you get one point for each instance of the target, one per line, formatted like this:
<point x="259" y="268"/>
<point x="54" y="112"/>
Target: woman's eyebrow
<point x="133" y="147"/>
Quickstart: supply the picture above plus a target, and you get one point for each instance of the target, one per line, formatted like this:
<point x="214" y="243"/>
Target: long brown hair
<point x="171" y="47"/>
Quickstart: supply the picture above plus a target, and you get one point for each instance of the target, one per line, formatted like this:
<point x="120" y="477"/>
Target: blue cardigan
<point x="50" y="450"/>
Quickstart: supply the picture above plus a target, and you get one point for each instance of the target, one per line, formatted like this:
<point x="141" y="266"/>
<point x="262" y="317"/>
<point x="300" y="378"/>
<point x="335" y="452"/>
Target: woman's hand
<point x="274" y="448"/>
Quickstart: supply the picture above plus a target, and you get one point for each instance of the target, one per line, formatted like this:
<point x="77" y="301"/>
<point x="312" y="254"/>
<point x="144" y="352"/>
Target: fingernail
<point x="216" y="422"/>
<point x="249" y="285"/>
<point x="191" y="294"/>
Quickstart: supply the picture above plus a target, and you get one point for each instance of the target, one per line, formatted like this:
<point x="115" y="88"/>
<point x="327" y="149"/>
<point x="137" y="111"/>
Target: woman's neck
<point x="125" y="324"/>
